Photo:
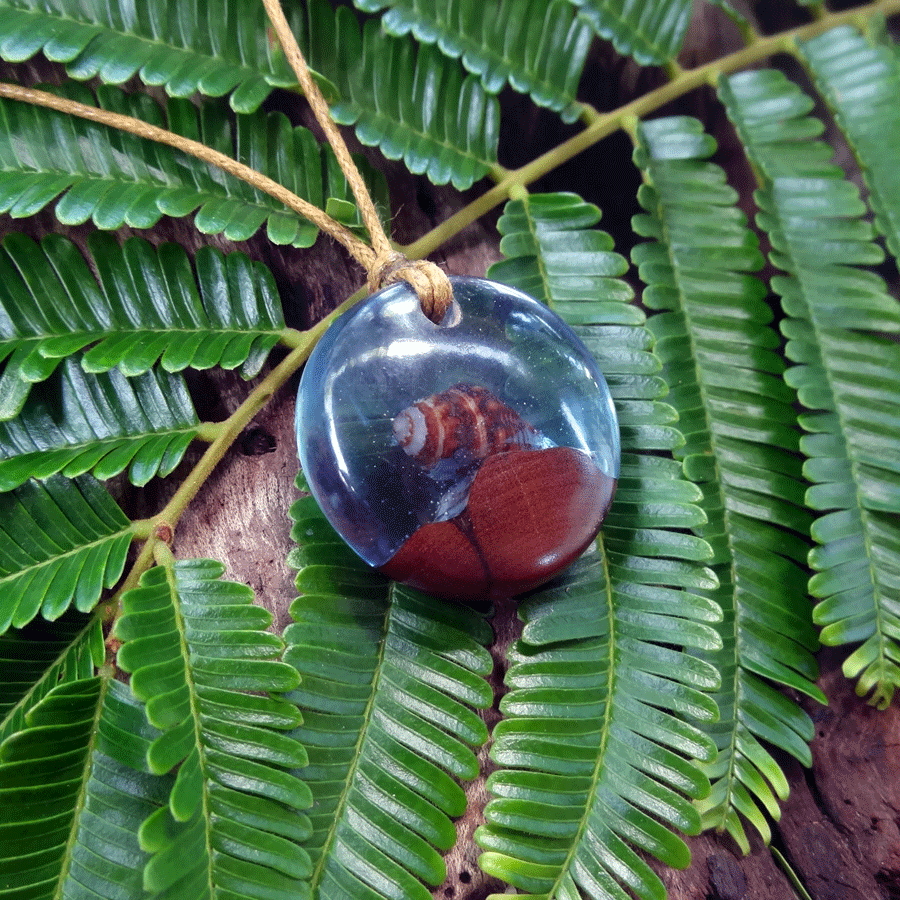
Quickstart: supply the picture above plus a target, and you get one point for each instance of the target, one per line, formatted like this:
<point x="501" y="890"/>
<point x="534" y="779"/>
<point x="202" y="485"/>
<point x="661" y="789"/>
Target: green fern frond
<point x="412" y="102"/>
<point x="742" y="448"/>
<point x="842" y="330"/>
<point x="389" y="681"/>
<point x="36" y="659"/>
<point x="596" y="750"/>
<point x="120" y="794"/>
<point x="204" y="665"/>
<point x="220" y="47"/>
<point x="61" y="542"/>
<point x="113" y="179"/>
<point x="74" y="790"/>
<point x="77" y="422"/>
<point x="415" y="105"/>
<point x="860" y="80"/>
<point x="652" y="31"/>
<point x="148" y="305"/>
<point x="539" y="48"/>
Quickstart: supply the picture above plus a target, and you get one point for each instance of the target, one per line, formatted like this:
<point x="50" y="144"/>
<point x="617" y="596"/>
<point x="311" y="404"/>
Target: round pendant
<point x="471" y="459"/>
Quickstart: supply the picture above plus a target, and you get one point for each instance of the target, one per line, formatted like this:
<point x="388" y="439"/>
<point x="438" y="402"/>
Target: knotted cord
<point x="388" y="266"/>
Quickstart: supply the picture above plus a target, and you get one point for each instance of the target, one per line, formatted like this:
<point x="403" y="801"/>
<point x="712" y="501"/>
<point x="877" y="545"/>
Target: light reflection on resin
<point x="471" y="459"/>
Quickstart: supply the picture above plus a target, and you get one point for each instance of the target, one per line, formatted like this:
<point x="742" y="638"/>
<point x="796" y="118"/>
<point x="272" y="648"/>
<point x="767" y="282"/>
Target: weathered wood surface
<point x="839" y="829"/>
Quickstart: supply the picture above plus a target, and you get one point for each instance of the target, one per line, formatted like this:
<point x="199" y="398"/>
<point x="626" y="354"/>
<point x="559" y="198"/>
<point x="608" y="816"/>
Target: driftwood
<point x="839" y="830"/>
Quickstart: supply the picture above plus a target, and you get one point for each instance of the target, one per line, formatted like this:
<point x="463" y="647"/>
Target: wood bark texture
<point x="840" y="828"/>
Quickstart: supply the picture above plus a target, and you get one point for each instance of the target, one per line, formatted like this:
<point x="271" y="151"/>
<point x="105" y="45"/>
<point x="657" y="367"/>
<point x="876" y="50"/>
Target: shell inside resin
<point x="517" y="509"/>
<point x="465" y="421"/>
<point x="474" y="459"/>
<point x="450" y="433"/>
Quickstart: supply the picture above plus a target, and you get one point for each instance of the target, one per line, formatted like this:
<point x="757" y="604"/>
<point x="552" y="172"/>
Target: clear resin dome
<point x="471" y="459"/>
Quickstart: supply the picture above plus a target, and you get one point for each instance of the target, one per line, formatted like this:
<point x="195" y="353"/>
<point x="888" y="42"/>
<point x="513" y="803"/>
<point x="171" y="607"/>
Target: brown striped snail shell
<point x="465" y="422"/>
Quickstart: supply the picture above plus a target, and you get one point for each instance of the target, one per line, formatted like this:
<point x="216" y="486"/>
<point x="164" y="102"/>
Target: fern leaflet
<point x="74" y="786"/>
<point x="147" y="305"/>
<point x="389" y="679"/>
<point x="742" y="449"/>
<point x="652" y="32"/>
<point x="204" y="666"/>
<point x="841" y="329"/>
<point x="61" y="542"/>
<point x="412" y="102"/>
<point x="76" y="422"/>
<point x="35" y="659"/>
<point x="540" y="48"/>
<point x="219" y="47"/>
<point x="114" y="178"/>
<point x="596" y="750"/>
<point x="860" y="79"/>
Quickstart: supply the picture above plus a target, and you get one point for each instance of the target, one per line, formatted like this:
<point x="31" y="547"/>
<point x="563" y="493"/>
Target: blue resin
<point x="384" y="355"/>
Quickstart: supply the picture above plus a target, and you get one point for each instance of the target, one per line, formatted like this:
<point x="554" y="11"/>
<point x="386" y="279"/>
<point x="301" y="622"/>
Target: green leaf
<point x="37" y="658"/>
<point x="390" y="683"/>
<point x="204" y="664"/>
<point x="219" y="48"/>
<point x="595" y="755"/>
<point x="113" y="178"/>
<point x="596" y="750"/>
<point x="61" y="543"/>
<point x="412" y="102"/>
<point x="76" y="422"/>
<point x="540" y="48"/>
<point x="73" y="792"/>
<point x="841" y="327"/>
<point x="441" y="123"/>
<point x="860" y="80"/>
<point x="148" y="304"/>
<point x="652" y="31"/>
<point x="742" y="448"/>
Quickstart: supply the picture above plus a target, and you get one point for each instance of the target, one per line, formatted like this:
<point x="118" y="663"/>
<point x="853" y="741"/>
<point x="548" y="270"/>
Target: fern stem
<point x="223" y="435"/>
<point x="360" y="250"/>
<point x="294" y="56"/>
<point x="291" y="338"/>
<point x="788" y="870"/>
<point x="601" y="125"/>
<point x="208" y="431"/>
<point x="230" y="428"/>
<point x="604" y="727"/>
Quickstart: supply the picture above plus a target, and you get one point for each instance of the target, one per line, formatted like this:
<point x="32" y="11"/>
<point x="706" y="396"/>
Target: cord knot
<point x="431" y="284"/>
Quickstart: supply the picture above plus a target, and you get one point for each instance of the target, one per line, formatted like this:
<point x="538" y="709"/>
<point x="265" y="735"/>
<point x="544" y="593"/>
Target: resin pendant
<point x="472" y="459"/>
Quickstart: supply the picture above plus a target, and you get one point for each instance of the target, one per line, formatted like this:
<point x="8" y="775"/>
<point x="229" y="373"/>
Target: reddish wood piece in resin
<point x="530" y="513"/>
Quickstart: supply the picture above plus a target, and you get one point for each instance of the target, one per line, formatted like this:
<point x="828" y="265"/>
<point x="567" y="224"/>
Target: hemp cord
<point x="431" y="284"/>
<point x="359" y="249"/>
